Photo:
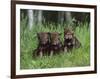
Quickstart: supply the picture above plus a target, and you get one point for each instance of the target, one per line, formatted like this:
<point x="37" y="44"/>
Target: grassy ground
<point x="75" y="58"/>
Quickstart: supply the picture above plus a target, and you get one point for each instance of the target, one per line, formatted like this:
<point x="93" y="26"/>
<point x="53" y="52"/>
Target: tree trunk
<point x="30" y="19"/>
<point x="68" y="17"/>
<point x="60" y="17"/>
<point x="39" y="17"/>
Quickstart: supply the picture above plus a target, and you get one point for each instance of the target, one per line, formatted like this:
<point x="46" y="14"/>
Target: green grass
<point x="75" y="58"/>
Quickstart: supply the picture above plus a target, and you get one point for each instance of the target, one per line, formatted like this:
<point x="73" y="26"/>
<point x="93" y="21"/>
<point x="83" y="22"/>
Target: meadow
<point x="76" y="58"/>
